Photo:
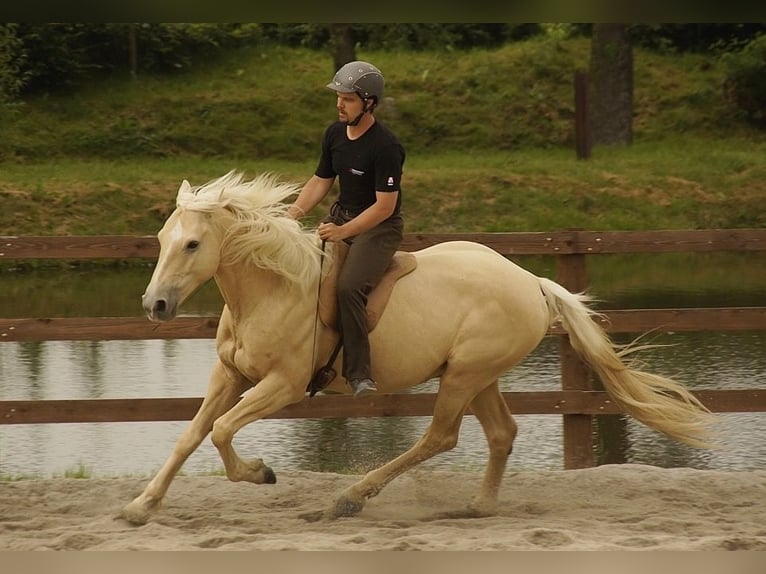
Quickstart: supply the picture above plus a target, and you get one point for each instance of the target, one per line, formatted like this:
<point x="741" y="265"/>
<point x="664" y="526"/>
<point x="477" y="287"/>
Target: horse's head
<point x="189" y="255"/>
<point x="229" y="223"/>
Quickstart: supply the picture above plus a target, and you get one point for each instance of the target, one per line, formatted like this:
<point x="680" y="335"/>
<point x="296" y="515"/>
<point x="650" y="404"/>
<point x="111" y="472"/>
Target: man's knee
<point x="348" y="289"/>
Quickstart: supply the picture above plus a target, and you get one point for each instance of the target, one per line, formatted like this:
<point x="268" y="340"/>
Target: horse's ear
<point x="185" y="187"/>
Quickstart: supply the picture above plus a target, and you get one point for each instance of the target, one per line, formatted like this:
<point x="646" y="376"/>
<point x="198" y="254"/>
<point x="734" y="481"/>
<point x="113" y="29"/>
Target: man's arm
<point x="385" y="203"/>
<point x="312" y="193"/>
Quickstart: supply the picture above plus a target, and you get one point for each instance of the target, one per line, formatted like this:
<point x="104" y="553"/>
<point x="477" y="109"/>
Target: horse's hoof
<point x="253" y="471"/>
<point x="136" y="514"/>
<point x="482" y="508"/>
<point x="346" y="507"/>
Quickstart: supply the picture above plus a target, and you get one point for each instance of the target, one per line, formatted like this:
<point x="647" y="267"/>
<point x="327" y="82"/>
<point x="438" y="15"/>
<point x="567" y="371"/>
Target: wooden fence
<point x="578" y="402"/>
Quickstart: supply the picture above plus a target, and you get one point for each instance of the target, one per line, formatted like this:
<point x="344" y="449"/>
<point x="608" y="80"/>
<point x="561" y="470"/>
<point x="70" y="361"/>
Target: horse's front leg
<point x="272" y="393"/>
<point x="221" y="395"/>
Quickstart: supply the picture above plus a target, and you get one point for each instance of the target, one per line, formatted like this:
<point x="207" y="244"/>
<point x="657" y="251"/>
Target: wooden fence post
<point x="575" y="374"/>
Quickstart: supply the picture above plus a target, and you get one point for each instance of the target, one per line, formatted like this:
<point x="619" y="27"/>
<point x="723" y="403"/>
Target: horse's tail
<point x="659" y="402"/>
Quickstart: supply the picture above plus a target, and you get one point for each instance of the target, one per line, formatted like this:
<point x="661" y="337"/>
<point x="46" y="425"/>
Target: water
<point x="178" y="368"/>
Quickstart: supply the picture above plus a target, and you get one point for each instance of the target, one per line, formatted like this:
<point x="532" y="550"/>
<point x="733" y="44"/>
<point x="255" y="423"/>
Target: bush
<point x="65" y="55"/>
<point x="745" y="82"/>
<point x="11" y="62"/>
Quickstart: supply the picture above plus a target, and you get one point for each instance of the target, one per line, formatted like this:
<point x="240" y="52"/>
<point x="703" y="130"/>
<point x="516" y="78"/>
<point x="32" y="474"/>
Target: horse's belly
<point x="466" y="304"/>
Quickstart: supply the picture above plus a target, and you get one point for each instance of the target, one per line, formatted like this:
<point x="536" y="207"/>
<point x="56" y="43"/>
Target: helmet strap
<point x="356" y="120"/>
<point x="365" y="109"/>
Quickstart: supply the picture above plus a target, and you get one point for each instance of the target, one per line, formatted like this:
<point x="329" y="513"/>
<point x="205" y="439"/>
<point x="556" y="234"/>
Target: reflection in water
<point x="89" y="362"/>
<point x="32" y="355"/>
<point x="116" y="369"/>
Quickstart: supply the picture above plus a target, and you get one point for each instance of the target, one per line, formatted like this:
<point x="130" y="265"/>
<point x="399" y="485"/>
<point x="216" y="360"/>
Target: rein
<point x="325" y="375"/>
<point x="316" y="315"/>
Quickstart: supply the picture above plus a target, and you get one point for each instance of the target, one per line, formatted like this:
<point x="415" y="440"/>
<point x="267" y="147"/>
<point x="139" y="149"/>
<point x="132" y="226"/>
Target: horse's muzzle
<point x="159" y="309"/>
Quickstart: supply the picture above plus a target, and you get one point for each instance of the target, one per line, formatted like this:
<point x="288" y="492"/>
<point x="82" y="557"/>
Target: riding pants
<point x="369" y="255"/>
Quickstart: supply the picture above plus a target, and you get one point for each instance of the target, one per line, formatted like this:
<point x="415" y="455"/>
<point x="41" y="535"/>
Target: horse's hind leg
<point x="441" y="436"/>
<point x="500" y="428"/>
<point x="221" y="395"/>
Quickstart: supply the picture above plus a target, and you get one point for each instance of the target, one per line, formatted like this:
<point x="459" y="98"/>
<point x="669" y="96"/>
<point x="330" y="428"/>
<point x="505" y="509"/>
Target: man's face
<point x="349" y="106"/>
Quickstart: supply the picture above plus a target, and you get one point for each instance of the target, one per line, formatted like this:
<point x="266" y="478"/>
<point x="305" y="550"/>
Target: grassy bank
<point x="488" y="133"/>
<point x="682" y="184"/>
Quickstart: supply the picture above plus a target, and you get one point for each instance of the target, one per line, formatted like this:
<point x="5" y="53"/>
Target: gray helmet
<point x="360" y="77"/>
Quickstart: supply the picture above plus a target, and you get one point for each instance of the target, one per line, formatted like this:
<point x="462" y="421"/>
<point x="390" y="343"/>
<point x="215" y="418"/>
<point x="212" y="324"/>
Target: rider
<point x="367" y="159"/>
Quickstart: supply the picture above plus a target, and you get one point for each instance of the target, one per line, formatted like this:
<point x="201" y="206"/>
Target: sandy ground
<point x="614" y="507"/>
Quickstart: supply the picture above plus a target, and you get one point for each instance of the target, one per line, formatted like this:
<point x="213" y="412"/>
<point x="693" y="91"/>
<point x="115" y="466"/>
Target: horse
<point x="466" y="315"/>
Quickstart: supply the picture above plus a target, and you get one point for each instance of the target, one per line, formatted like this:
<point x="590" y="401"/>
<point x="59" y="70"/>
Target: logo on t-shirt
<point x="355" y="171"/>
<point x="390" y="180"/>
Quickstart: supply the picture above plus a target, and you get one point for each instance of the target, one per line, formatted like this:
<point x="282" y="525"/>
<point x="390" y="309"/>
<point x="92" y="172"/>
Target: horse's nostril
<point x="160" y="306"/>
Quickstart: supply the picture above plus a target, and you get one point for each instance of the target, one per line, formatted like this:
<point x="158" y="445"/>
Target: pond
<point x="178" y="368"/>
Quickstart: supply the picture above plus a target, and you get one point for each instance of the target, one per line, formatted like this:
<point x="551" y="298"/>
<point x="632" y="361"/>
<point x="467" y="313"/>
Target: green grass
<point x="489" y="136"/>
<point x="77" y="471"/>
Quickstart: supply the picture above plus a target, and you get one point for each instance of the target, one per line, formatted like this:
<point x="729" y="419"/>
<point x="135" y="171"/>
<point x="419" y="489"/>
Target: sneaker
<point x="363" y="387"/>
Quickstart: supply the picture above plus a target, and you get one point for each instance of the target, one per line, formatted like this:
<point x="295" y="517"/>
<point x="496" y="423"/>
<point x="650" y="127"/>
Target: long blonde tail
<point x="659" y="402"/>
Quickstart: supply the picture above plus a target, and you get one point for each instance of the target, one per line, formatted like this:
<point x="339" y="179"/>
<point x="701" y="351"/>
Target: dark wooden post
<point x="612" y="436"/>
<point x="133" y="50"/>
<point x="575" y="374"/>
<point x="582" y="135"/>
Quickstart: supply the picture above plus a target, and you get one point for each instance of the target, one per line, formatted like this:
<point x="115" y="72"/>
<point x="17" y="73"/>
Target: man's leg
<point x="368" y="258"/>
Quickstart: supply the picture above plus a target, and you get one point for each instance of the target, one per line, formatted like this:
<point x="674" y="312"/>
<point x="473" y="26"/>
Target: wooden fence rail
<point x="590" y="403"/>
<point x="578" y="402"/>
<point x="204" y="327"/>
<point x="518" y="243"/>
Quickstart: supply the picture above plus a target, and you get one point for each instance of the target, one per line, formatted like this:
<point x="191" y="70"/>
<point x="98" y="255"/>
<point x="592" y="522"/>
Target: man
<point x="367" y="159"/>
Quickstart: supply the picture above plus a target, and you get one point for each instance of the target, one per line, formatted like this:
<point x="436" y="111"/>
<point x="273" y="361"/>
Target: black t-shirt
<point x="364" y="166"/>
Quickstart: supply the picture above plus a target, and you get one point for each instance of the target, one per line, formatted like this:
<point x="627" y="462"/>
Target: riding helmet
<point x="360" y="77"/>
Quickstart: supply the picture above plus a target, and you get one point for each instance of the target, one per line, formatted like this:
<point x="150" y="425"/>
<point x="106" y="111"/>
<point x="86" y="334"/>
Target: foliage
<point x="53" y="56"/>
<point x="11" y="76"/>
<point x="65" y="55"/>
<point x="692" y="37"/>
<point x="389" y="36"/>
<point x="745" y="81"/>
<point x="167" y="47"/>
<point x="48" y="57"/>
<point x="62" y="55"/>
<point x="442" y="36"/>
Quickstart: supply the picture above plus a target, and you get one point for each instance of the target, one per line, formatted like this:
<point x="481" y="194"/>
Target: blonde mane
<point x="262" y="234"/>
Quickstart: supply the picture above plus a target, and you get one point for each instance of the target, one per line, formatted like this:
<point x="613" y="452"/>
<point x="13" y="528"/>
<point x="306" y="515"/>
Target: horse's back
<point x="456" y="247"/>
<point x="470" y="263"/>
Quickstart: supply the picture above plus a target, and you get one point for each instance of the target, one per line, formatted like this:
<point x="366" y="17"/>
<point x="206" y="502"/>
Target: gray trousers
<point x="369" y="256"/>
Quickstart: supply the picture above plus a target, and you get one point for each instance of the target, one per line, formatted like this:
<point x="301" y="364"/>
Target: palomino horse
<point x="465" y="314"/>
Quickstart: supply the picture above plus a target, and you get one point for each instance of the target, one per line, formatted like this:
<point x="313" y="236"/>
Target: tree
<point x="342" y="45"/>
<point x="610" y="106"/>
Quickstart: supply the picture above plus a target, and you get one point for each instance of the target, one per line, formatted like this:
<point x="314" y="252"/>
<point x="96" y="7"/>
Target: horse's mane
<point x="262" y="234"/>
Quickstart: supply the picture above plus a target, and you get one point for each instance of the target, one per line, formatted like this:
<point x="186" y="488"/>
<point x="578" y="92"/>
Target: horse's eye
<point x="192" y="245"/>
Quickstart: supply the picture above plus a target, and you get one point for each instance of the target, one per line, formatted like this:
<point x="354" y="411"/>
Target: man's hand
<point x="331" y="232"/>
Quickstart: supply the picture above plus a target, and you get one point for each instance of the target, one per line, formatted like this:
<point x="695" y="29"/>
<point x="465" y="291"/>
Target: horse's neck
<point x="244" y="288"/>
<point x="251" y="291"/>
